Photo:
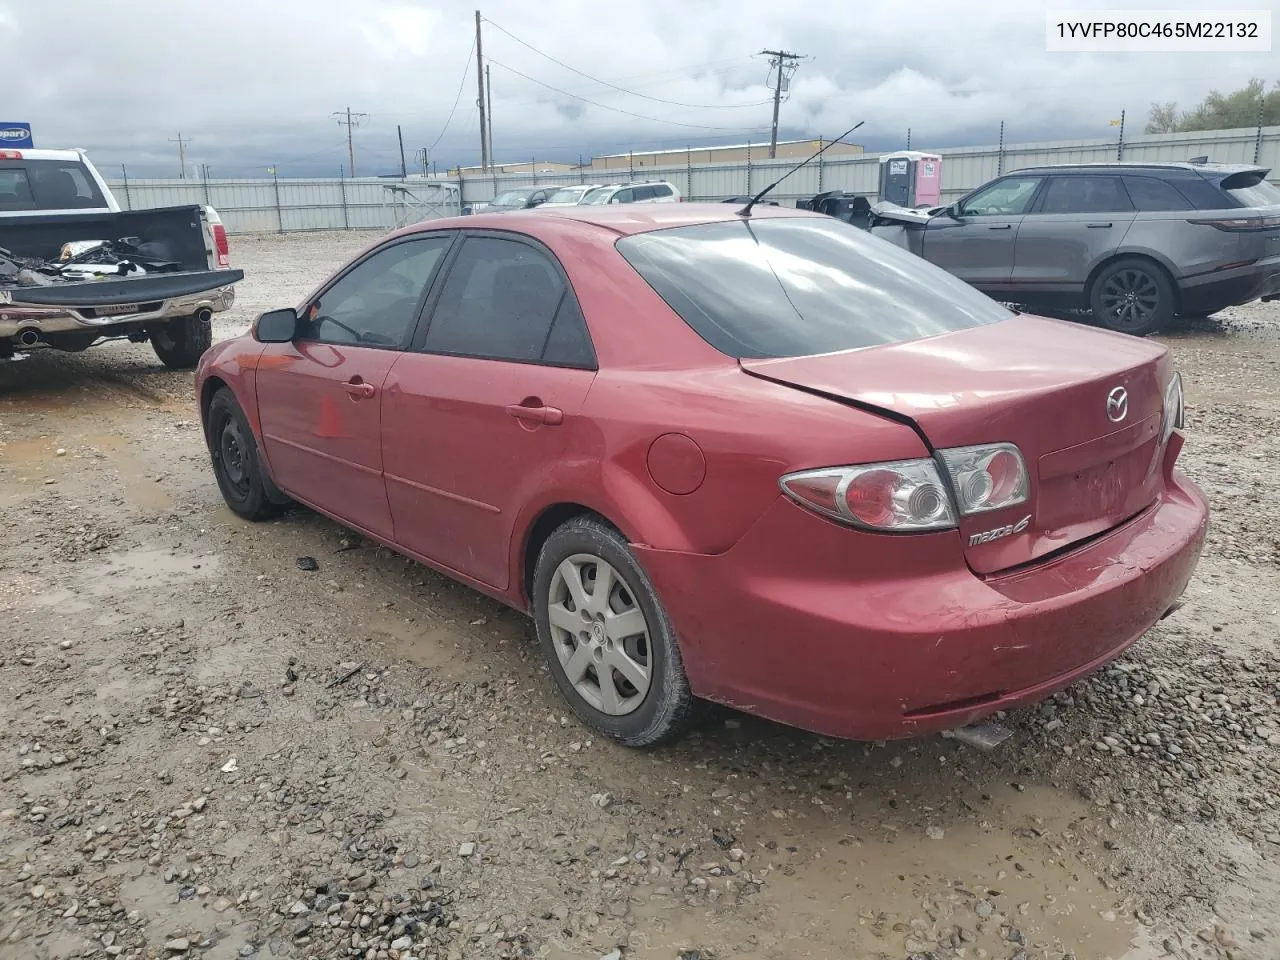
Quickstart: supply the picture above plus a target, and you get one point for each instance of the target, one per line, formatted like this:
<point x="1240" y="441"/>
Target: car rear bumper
<point x="1208" y="292"/>
<point x="799" y="624"/>
<point x="17" y="318"/>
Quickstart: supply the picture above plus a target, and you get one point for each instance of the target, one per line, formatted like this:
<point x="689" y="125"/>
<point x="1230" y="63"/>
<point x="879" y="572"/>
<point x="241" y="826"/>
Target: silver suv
<point x="1135" y="243"/>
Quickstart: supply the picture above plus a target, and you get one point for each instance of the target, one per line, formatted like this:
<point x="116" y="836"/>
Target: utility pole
<point x="780" y="61"/>
<point x="350" y="120"/>
<point x="404" y="171"/>
<point x="488" y="96"/>
<point x="182" y="154"/>
<point x="480" y="102"/>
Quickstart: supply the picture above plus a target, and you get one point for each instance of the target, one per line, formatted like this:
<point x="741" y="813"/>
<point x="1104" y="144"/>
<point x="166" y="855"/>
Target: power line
<point x="466" y="69"/>
<point x="352" y="121"/>
<point x="614" y="86"/>
<point x="638" y="116"/>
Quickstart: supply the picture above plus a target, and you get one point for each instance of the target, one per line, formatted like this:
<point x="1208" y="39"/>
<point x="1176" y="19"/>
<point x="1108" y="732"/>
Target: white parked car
<point x="571" y="196"/>
<point x="657" y="191"/>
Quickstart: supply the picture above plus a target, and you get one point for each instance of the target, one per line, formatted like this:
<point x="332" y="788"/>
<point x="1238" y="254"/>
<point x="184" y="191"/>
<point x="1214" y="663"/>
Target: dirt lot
<point x="206" y="751"/>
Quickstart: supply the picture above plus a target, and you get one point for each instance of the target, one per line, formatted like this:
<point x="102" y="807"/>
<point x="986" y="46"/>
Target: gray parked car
<point x="1135" y="243"/>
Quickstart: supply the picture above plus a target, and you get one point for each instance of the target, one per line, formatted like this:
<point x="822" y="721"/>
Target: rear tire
<point x="614" y="656"/>
<point x="236" y="463"/>
<point x="1133" y="296"/>
<point x="181" y="342"/>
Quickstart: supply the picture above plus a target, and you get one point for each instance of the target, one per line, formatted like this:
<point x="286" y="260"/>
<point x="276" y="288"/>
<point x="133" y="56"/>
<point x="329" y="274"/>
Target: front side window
<point x="788" y="287"/>
<point x="376" y="303"/>
<point x="624" y="196"/>
<point x="1089" y="194"/>
<point x="1008" y="197"/>
<point x="507" y="300"/>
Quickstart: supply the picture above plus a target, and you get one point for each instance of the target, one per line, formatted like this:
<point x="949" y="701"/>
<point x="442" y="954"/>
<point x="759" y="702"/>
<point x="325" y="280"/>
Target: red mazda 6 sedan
<point x="766" y="460"/>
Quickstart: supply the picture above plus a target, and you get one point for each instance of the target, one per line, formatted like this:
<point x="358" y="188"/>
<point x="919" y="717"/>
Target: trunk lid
<point x="1040" y="384"/>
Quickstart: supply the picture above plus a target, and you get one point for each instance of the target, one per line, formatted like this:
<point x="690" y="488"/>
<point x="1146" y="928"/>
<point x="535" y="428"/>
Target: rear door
<point x="319" y="397"/>
<point x="485" y="407"/>
<point x="1076" y="222"/>
<point x="977" y="245"/>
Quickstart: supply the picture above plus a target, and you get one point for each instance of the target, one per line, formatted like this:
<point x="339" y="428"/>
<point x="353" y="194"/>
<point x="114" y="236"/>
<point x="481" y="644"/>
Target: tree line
<point x="1219" y="111"/>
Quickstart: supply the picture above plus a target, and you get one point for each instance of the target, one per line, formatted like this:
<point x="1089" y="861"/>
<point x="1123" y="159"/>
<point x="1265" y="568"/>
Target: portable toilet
<point x="911" y="179"/>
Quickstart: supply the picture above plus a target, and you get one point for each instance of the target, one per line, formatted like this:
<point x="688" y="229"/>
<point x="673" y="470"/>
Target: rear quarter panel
<point x="1181" y="247"/>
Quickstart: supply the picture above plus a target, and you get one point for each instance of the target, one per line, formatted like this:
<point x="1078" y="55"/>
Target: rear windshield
<point x="791" y="287"/>
<point x="47" y="185"/>
<point x="1251" y="190"/>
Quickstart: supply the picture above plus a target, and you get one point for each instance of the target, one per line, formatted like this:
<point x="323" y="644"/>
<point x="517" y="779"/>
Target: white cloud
<point x="253" y="82"/>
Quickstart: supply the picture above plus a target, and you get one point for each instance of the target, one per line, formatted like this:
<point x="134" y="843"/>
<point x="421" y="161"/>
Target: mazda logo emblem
<point x="1117" y="404"/>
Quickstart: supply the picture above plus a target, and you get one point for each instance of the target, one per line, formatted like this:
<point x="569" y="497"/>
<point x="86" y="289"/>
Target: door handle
<point x="357" y="389"/>
<point x="536" y="412"/>
<point x="1003" y="226"/>
<point x="1098" y="226"/>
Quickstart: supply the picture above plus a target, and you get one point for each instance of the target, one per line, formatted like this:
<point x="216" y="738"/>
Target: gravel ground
<point x="206" y="751"/>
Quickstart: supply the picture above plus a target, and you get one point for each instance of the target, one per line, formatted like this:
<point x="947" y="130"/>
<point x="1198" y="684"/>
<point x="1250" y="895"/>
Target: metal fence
<point x="263" y="206"/>
<point x="286" y="206"/>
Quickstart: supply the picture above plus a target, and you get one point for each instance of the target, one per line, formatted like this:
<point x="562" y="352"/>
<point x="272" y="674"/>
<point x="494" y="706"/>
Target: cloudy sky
<point x="253" y="83"/>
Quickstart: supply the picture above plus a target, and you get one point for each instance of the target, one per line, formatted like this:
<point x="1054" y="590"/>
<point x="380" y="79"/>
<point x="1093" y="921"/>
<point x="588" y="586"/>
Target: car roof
<point x="1223" y="169"/>
<point x="623" y="219"/>
<point x="29" y="153"/>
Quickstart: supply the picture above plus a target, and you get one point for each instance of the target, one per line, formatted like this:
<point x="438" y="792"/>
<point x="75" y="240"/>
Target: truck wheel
<point x="179" y="343"/>
<point x="236" y="463"/>
<point x="611" y="649"/>
<point x="1132" y="296"/>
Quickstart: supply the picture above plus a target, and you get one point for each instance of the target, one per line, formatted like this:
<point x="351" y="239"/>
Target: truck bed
<point x="168" y="233"/>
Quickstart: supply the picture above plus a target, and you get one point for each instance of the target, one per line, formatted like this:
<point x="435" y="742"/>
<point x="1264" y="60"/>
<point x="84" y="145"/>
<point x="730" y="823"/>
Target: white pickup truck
<point x="75" y="269"/>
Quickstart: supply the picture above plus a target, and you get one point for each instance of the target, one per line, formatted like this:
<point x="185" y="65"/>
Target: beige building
<point x="735" y="153"/>
<point x="528" y="167"/>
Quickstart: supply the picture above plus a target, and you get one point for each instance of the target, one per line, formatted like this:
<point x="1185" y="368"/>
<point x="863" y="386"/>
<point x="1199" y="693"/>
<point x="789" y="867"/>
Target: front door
<point x="977" y="243"/>
<point x="485" y="409"/>
<point x="320" y="397"/>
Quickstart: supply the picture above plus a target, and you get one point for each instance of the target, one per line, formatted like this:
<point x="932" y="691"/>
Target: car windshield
<point x="512" y="198"/>
<point x="567" y="195"/>
<point x="598" y="195"/>
<point x="797" y="286"/>
<point x="1251" y="190"/>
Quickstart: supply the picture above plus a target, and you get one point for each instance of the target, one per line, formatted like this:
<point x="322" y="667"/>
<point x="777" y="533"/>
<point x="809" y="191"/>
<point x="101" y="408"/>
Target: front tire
<point x="607" y="638"/>
<point x="236" y="463"/>
<point x="1132" y="296"/>
<point x="181" y="342"/>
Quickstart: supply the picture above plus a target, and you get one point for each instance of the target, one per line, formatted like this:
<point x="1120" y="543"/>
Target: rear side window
<point x="505" y="300"/>
<point x="1202" y="194"/>
<point x="1085" y="195"/>
<point x="1251" y="189"/>
<point x="792" y="287"/>
<point x="1150" y="195"/>
<point x="47" y="185"/>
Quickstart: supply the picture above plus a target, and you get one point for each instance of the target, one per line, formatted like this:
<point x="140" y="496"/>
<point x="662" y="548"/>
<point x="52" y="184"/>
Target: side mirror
<point x="276" y="326"/>
<point x="953" y="211"/>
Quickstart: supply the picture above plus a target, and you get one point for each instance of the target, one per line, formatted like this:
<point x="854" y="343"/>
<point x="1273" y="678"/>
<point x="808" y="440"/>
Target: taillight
<point x="989" y="477"/>
<point x="10" y="154"/>
<point x="1174" y="415"/>
<point x="902" y="495"/>
<point x="220" y="245"/>
<point x="911" y="495"/>
<point x="1240" y="224"/>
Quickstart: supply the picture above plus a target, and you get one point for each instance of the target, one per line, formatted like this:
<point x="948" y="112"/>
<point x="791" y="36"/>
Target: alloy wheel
<point x="1130" y="297"/>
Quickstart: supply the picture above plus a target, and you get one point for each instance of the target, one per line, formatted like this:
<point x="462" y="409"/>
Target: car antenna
<point x="746" y="211"/>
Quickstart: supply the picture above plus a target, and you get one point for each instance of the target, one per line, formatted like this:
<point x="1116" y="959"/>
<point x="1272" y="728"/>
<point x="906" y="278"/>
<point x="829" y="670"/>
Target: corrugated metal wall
<point x="264" y="206"/>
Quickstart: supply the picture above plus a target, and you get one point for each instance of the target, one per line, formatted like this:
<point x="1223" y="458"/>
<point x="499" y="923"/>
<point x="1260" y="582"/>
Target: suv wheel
<point x="1132" y="296"/>
<point x="608" y="641"/>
